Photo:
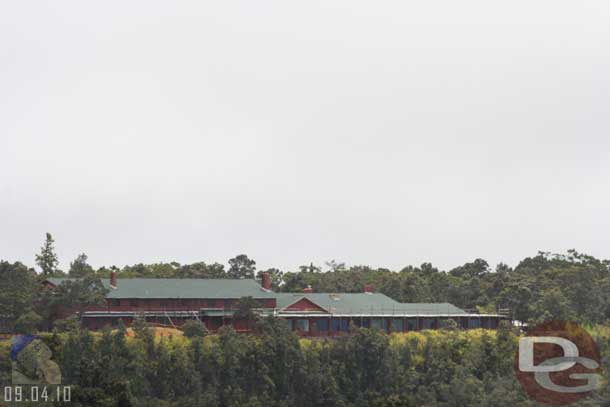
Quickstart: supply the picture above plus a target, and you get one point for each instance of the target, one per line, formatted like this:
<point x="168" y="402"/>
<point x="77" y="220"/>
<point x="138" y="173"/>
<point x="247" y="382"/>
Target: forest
<point x="274" y="367"/>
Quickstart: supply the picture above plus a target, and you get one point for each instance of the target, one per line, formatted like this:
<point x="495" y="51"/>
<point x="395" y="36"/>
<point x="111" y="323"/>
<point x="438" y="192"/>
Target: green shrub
<point x="28" y="323"/>
<point x="194" y="328"/>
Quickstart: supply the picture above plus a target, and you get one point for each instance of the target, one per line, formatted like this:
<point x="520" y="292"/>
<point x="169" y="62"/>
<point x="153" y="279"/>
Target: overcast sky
<point x="370" y="132"/>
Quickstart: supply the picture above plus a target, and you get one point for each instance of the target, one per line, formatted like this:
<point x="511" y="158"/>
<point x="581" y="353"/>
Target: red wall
<point x="304" y="305"/>
<point x="172" y="304"/>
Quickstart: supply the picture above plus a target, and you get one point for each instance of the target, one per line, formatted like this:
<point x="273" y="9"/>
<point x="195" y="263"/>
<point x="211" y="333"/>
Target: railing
<point x="504" y="311"/>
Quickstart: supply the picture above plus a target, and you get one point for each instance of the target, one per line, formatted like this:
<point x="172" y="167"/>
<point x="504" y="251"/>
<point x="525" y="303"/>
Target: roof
<point x="366" y="303"/>
<point x="181" y="288"/>
<point x="333" y="303"/>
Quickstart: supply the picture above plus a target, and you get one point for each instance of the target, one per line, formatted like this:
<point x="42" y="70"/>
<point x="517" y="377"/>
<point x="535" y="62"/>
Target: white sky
<point x="370" y="132"/>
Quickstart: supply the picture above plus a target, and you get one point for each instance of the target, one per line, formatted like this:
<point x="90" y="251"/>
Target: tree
<point x="47" y="259"/>
<point x="79" y="267"/>
<point x="194" y="329"/>
<point x="477" y="268"/>
<point x="18" y="289"/>
<point x="79" y="294"/>
<point x="140" y="326"/>
<point x="71" y="323"/>
<point x="28" y="323"/>
<point x="280" y="353"/>
<point x="518" y="297"/>
<point x="309" y="268"/>
<point x="334" y="266"/>
<point x="449" y="324"/>
<point x="276" y="276"/>
<point x="245" y="310"/>
<point x="241" y="267"/>
<point x="553" y="305"/>
<point x="200" y="270"/>
<point x="184" y="378"/>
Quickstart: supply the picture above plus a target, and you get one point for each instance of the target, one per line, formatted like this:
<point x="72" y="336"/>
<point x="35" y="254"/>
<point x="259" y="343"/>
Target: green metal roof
<point x="181" y="288"/>
<point x="366" y="303"/>
<point x="334" y="303"/>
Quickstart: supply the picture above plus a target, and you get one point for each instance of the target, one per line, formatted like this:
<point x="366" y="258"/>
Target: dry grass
<point x="160" y="332"/>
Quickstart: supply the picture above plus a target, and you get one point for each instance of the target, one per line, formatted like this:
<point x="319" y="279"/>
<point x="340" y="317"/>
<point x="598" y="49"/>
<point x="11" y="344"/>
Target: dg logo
<point x="558" y="363"/>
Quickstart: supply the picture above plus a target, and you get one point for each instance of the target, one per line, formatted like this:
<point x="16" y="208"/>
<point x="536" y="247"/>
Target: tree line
<point x="274" y="368"/>
<point x="570" y="286"/>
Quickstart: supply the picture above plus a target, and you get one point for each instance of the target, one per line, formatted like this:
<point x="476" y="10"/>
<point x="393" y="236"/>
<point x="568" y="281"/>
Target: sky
<point x="384" y="133"/>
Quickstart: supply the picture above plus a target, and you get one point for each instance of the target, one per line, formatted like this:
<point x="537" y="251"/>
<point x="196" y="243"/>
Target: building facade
<point x="172" y="302"/>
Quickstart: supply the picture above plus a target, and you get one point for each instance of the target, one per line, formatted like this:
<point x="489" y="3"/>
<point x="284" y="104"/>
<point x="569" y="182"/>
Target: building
<point x="172" y="302"/>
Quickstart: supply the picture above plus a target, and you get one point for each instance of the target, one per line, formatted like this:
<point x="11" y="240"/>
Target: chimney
<point x="113" y="280"/>
<point x="266" y="281"/>
<point x="308" y="290"/>
<point x="369" y="289"/>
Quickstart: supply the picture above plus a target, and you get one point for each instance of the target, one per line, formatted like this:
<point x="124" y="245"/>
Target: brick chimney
<point x="113" y="280"/>
<point x="308" y="290"/>
<point x="266" y="281"/>
<point x="369" y="289"/>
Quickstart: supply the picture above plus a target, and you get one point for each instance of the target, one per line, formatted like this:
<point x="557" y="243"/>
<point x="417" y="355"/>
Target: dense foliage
<point x="274" y="368"/>
<point x="571" y="286"/>
<point x="568" y="287"/>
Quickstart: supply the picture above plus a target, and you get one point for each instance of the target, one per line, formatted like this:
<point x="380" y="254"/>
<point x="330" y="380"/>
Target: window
<point x="411" y="324"/>
<point x="133" y="303"/>
<point x="474" y="323"/>
<point x="322" y="324"/>
<point x="446" y="322"/>
<point x="428" y="323"/>
<point x="385" y="322"/>
<point x="115" y="302"/>
<point x="336" y="325"/>
<point x="345" y="325"/>
<point x="375" y="323"/>
<point x="397" y="325"/>
<point x="302" y="325"/>
<point x="340" y="324"/>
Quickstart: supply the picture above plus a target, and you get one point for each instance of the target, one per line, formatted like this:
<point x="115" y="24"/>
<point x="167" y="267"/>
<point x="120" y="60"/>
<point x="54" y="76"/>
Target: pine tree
<point x="79" y="267"/>
<point x="71" y="357"/>
<point x="47" y="259"/>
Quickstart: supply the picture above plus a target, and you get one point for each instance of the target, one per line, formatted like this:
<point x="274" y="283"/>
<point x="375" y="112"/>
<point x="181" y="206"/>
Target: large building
<point x="171" y="302"/>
